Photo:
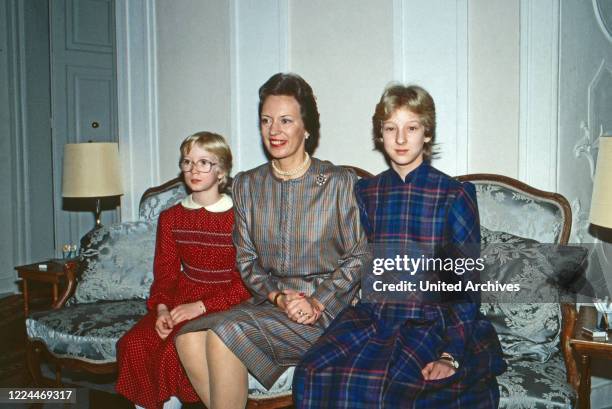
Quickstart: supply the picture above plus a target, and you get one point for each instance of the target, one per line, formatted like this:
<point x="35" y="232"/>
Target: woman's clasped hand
<point x="299" y="307"/>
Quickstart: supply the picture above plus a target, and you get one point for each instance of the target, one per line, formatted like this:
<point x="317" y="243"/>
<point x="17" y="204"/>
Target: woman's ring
<point x="300" y="312"/>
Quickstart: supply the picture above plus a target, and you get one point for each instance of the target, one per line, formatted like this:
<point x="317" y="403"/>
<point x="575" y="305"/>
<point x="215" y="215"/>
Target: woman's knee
<point x="215" y="343"/>
<point x="189" y="342"/>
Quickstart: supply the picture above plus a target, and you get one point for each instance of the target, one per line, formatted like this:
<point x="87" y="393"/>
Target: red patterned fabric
<point x="194" y="260"/>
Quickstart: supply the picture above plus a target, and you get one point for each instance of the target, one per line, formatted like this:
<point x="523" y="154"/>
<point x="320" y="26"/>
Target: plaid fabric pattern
<point x="371" y="355"/>
<point x="303" y="234"/>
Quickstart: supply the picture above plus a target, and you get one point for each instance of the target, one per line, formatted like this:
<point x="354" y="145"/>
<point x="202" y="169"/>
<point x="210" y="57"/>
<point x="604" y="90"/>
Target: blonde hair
<point x="414" y="98"/>
<point x="215" y="144"/>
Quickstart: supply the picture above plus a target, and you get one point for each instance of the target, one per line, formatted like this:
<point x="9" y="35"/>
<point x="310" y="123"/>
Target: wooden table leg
<point x="55" y="293"/>
<point x="58" y="376"/>
<point x="584" y="390"/>
<point x="26" y="297"/>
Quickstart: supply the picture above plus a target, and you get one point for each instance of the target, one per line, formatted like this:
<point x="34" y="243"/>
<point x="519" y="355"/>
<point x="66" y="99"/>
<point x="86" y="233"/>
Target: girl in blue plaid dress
<point x="409" y="354"/>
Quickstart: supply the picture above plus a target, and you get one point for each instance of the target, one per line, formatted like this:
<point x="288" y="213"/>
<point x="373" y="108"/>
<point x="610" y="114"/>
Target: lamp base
<point x="98" y="213"/>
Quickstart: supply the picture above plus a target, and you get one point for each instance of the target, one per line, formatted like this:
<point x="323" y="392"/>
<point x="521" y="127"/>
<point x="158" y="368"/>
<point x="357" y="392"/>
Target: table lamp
<point x="91" y="170"/>
<point x="601" y="203"/>
<point x="601" y="216"/>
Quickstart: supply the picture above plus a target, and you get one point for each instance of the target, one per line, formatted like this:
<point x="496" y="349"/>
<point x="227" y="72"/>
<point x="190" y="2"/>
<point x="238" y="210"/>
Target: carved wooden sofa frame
<point x="37" y="351"/>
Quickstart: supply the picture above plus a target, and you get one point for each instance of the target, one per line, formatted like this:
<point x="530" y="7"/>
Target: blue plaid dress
<point x="372" y="354"/>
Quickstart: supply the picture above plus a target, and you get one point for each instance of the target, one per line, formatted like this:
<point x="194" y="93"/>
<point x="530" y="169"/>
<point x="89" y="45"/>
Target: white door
<point x="84" y="108"/>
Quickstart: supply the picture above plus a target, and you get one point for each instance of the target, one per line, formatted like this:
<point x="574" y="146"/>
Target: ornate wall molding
<point x="603" y="13"/>
<point x="539" y="106"/>
<point x="137" y="101"/>
<point x="399" y="41"/>
<point x="442" y="30"/>
<point x="257" y="51"/>
<point x="587" y="146"/>
<point x="580" y="222"/>
<point x="18" y="229"/>
<point x="600" y="99"/>
<point x="599" y="123"/>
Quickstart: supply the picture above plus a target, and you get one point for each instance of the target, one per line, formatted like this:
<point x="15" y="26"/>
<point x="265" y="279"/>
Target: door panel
<point x="89" y="25"/>
<point x="90" y="103"/>
<point x="83" y="100"/>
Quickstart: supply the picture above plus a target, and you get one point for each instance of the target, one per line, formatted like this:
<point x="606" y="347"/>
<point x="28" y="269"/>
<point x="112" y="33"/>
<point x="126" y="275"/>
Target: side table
<point x="54" y="274"/>
<point x="586" y="348"/>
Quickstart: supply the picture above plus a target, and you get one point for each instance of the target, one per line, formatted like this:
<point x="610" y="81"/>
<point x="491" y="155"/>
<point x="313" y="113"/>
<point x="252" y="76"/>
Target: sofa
<point x="107" y="288"/>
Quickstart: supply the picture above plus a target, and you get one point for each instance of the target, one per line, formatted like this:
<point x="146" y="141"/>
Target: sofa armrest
<point x="70" y="269"/>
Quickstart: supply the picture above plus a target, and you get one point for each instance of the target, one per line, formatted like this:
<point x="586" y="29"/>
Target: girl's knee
<point x="128" y="344"/>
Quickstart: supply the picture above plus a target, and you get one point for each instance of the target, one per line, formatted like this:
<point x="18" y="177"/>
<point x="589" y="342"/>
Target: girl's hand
<point x="164" y="323"/>
<point x="439" y="369"/>
<point x="186" y="312"/>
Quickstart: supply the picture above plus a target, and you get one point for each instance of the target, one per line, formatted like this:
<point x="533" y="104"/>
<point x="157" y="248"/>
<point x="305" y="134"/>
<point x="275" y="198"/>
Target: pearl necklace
<point x="293" y="172"/>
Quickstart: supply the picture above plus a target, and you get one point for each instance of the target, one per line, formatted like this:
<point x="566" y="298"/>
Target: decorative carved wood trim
<point x="358" y="171"/>
<point x="285" y="401"/>
<point x="36" y="352"/>
<point x="558" y="199"/>
<point x="36" y="349"/>
<point x="177" y="181"/>
<point x="71" y="270"/>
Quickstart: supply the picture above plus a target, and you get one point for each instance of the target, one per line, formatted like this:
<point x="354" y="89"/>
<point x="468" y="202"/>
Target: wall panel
<point x="348" y="60"/>
<point x="193" y="74"/>
<point x="493" y="86"/>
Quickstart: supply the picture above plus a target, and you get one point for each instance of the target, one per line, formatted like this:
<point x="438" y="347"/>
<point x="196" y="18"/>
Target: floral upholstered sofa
<point x="115" y="272"/>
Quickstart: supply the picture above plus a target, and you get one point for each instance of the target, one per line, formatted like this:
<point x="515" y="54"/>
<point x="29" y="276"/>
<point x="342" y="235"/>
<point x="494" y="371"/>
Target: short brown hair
<point x="215" y="144"/>
<point x="292" y="85"/>
<point x="414" y="98"/>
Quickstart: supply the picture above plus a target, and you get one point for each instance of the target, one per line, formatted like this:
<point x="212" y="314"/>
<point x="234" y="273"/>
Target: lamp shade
<point x="601" y="203"/>
<point x="91" y="170"/>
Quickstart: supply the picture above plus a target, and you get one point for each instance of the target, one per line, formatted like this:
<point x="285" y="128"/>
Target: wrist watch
<point x="450" y="359"/>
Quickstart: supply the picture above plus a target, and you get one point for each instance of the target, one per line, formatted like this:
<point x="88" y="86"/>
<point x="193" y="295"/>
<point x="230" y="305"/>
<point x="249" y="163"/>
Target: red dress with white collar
<point x="195" y="259"/>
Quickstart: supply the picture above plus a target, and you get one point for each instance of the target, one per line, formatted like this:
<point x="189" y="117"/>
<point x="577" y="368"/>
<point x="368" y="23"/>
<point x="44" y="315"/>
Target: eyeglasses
<point x="201" y="165"/>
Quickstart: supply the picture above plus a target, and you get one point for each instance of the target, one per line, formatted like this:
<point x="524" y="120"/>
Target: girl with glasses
<point x="194" y="274"/>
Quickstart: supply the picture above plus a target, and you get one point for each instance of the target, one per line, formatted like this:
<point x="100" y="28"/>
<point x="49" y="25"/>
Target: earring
<point x="307" y="135"/>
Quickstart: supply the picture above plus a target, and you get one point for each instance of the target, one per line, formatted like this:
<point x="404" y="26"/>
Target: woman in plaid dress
<point x="300" y="248"/>
<point x="416" y="353"/>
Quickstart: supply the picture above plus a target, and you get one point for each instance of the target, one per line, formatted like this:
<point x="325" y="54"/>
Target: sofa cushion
<point x="281" y="387"/>
<point x="527" y="322"/>
<point x="529" y="384"/>
<point x="116" y="263"/>
<point x="87" y="332"/>
<point x="504" y="208"/>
